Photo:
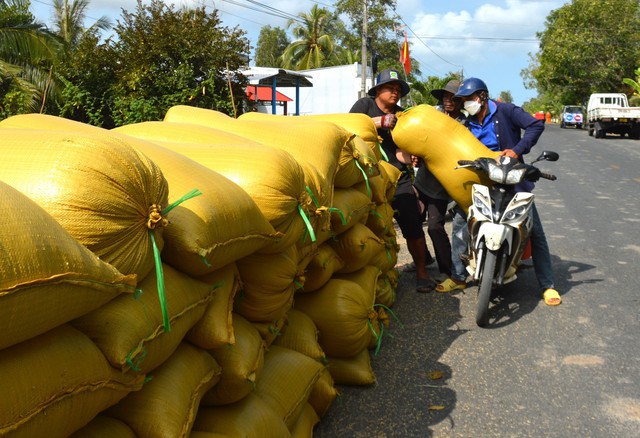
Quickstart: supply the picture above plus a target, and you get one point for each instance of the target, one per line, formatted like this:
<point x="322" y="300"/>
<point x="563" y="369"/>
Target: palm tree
<point x="313" y="46"/>
<point x="27" y="52"/>
<point x="69" y="18"/>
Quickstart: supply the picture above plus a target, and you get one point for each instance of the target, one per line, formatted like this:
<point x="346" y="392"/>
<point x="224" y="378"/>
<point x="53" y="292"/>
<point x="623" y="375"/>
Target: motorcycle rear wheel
<point x="485" y="287"/>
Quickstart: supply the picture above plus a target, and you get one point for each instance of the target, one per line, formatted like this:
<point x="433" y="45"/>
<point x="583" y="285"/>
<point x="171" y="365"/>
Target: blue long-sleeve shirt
<point x="503" y="127"/>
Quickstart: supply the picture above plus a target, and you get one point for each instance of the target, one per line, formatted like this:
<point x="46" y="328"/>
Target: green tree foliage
<point x="27" y="54"/>
<point x="69" y="18"/>
<point x="167" y="57"/>
<point x="587" y="46"/>
<point x="313" y="46"/>
<point x="506" y="96"/>
<point x="89" y="77"/>
<point x="272" y="43"/>
<point x="384" y="32"/>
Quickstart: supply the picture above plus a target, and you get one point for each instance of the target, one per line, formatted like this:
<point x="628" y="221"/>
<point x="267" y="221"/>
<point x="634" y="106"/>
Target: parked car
<point x="572" y="115"/>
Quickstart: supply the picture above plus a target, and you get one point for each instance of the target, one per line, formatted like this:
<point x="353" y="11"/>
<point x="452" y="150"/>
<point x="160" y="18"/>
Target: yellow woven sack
<point x="167" y="405"/>
<point x="271" y="330"/>
<point x="441" y="141"/>
<point x="56" y="383"/>
<point x="356" y="247"/>
<point x="105" y="427"/>
<point x="380" y="220"/>
<point x="360" y="124"/>
<point x="351" y="207"/>
<point x="301" y="335"/>
<point x="47" y="278"/>
<point x="352" y="371"/>
<point x="315" y="146"/>
<point x="131" y="331"/>
<point x="241" y="365"/>
<point x="356" y="161"/>
<point x="324" y="392"/>
<point x="386" y="288"/>
<point x="188" y="132"/>
<point x="303" y="427"/>
<point x="268" y="284"/>
<point x="47" y="122"/>
<point x="199" y="116"/>
<point x="344" y="314"/>
<point x="387" y="257"/>
<point x="206" y="232"/>
<point x="270" y="176"/>
<point x="106" y="194"/>
<point x="286" y="382"/>
<point x="321" y="268"/>
<point x="249" y="417"/>
<point x="215" y="328"/>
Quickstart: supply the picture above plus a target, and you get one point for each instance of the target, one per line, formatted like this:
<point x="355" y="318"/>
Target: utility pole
<point x="363" y="88"/>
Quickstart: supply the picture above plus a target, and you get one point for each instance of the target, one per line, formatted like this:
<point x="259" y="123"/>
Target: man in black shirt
<point x="382" y="105"/>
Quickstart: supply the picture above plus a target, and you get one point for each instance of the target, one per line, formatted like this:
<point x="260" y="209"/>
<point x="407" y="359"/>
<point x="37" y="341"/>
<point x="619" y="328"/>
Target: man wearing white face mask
<point x="507" y="128"/>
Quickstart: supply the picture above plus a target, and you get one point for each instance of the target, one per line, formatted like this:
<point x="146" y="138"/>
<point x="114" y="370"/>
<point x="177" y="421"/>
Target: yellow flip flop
<point x="449" y="285"/>
<point x="551" y="297"/>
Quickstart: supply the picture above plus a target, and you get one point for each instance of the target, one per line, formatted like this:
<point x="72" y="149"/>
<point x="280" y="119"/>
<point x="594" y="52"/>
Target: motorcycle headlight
<point x="515" y="213"/>
<point x="517" y="209"/>
<point x="480" y="203"/>
<point x="514" y="176"/>
<point x="496" y="173"/>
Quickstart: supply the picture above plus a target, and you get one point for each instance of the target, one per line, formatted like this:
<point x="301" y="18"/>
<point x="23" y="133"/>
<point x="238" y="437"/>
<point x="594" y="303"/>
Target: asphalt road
<point x="536" y="371"/>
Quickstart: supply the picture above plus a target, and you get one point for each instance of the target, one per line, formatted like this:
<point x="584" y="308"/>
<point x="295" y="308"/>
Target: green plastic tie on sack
<point x="134" y="365"/>
<point x="160" y="283"/>
<point x="298" y="284"/>
<point x="379" y="343"/>
<point x="192" y="194"/>
<point x="389" y="258"/>
<point x="137" y="293"/>
<point x="366" y="178"/>
<point x="205" y="261"/>
<point x="391" y="312"/>
<point x="313" y="197"/>
<point x="383" y="153"/>
<point x="378" y="337"/>
<point x="307" y="223"/>
<point x="375" y="213"/>
<point x="337" y="210"/>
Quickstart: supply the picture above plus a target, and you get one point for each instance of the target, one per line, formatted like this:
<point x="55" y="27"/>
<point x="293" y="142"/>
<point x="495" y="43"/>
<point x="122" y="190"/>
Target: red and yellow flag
<point x="405" y="60"/>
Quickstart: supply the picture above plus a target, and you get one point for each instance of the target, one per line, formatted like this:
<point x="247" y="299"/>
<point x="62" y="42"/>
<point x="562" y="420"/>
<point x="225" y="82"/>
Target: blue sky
<point x="489" y="39"/>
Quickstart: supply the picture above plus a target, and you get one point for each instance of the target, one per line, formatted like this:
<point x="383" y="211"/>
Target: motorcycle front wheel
<point x="484" y="288"/>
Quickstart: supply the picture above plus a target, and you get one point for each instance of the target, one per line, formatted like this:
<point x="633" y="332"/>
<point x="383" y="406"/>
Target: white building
<point x="319" y="91"/>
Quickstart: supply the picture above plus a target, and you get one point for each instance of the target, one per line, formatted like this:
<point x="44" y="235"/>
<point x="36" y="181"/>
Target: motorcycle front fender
<point x="494" y="235"/>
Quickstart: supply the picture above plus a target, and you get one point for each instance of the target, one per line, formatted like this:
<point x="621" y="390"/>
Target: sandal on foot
<point x="425" y="285"/>
<point x="450" y="285"/>
<point x="551" y="297"/>
<point x="411" y="267"/>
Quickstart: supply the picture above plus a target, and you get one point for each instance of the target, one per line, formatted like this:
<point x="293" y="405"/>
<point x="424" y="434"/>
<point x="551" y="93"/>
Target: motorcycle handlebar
<point x="548" y="176"/>
<point x="466" y="162"/>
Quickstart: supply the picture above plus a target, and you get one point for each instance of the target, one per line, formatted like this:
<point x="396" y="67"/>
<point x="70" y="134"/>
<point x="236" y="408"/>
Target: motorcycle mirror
<point x="547" y="156"/>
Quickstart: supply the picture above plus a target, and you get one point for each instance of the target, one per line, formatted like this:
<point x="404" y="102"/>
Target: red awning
<point x="265" y="93"/>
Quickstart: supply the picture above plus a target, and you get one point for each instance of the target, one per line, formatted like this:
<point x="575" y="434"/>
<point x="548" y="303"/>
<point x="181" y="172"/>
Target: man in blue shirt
<point x="500" y="126"/>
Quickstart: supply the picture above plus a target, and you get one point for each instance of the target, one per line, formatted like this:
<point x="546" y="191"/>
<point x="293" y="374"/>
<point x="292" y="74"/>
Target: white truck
<point x="610" y="113"/>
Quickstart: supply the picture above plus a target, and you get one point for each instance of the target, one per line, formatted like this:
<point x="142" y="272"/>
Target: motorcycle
<point x="499" y="223"/>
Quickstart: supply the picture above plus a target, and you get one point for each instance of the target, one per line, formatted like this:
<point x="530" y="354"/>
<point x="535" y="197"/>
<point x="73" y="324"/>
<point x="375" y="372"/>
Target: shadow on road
<point x="517" y="299"/>
<point x="411" y="392"/>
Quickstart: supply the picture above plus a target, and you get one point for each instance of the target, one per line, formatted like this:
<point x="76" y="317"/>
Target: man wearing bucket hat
<point x="382" y="105"/>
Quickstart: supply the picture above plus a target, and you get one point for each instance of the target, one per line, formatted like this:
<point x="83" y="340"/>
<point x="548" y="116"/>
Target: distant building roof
<point x="284" y="78"/>
<point x="265" y="93"/>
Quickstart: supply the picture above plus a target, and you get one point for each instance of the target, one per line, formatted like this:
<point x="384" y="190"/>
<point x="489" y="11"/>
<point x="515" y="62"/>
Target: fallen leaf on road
<point x="436" y="375"/>
<point x="436" y="407"/>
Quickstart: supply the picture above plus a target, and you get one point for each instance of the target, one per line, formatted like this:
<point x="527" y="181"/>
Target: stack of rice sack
<point x="222" y="234"/>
